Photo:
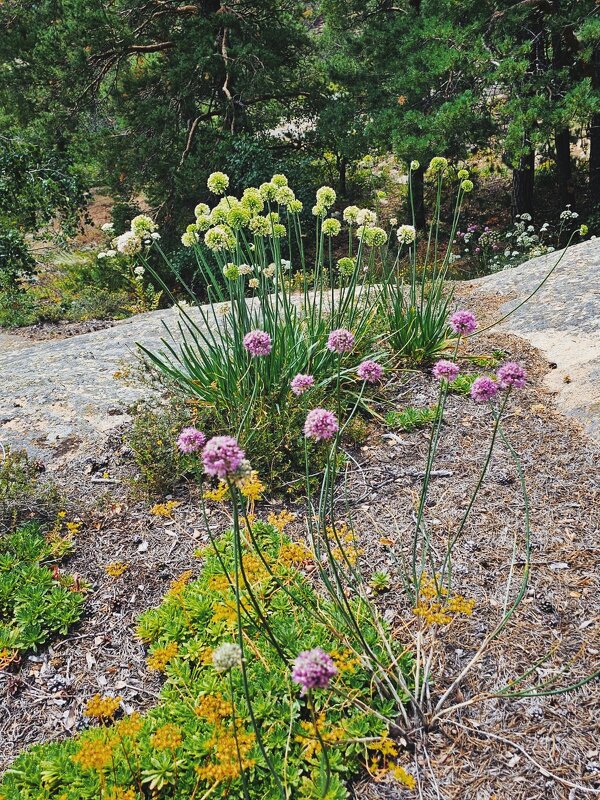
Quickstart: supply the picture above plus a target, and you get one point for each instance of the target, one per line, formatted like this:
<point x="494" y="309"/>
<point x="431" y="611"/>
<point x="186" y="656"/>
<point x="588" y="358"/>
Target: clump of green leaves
<point x="411" y="418"/>
<point x="462" y="383"/>
<point x="23" y="494"/>
<point x="380" y="581"/>
<point x="37" y="600"/>
<point x="200" y="740"/>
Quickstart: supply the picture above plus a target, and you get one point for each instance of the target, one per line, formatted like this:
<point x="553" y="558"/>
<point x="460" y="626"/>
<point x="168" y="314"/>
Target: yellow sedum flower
<point x="164" y="509"/>
<point x="99" y="707"/>
<point x="94" y="754"/>
<point x="160" y="657"/>
<point x="116" y="569"/>
<point x="167" y="737"/>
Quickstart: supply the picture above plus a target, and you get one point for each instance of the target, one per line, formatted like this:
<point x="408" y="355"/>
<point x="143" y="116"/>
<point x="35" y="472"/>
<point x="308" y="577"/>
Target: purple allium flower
<point x="301" y="383"/>
<point x="483" y="389"/>
<point x="222" y="456"/>
<point x="340" y="341"/>
<point x="320" y="424"/>
<point x="257" y="343"/>
<point x="190" y="440"/>
<point x="445" y="370"/>
<point x="313" y="669"/>
<point x="370" y="371"/>
<point x="511" y="374"/>
<point x="463" y="322"/>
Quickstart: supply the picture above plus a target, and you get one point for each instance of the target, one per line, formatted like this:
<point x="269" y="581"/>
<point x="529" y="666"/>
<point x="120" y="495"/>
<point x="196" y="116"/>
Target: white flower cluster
<point x="142" y="231"/>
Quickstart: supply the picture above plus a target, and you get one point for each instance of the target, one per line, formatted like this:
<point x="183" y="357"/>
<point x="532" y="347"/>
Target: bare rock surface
<point x="61" y="398"/>
<point x="562" y="320"/>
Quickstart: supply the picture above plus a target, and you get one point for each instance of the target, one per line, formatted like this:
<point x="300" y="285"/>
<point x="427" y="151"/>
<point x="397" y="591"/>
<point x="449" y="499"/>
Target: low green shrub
<point x="410" y="418"/>
<point x="203" y="738"/>
<point x="462" y="384"/>
<point x="37" y="600"/>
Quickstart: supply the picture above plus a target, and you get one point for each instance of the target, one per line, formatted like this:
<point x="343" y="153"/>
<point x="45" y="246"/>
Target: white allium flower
<point x="101" y="255"/>
<point x="139" y="270"/>
<point x="406" y="234"/>
<point x="366" y="217"/>
<point x="155" y="235"/>
<point x="269" y="271"/>
<point x="226" y="656"/>
<point x="128" y="243"/>
<point x="393" y="222"/>
<point x="218" y="182"/>
<point x="189" y="239"/>
<point x="351" y="214"/>
<point x="414" y="164"/>
<point x="220" y="238"/>
<point x="111" y="253"/>
<point x="108" y="227"/>
<point x="201" y="209"/>
<point x="253" y="283"/>
<point x="142" y="224"/>
<point x="244" y="269"/>
<point x="285" y="264"/>
<point x="526" y="217"/>
<point x="325" y="196"/>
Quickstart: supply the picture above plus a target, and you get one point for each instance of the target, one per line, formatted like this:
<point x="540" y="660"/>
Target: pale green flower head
<point x="274" y="217"/>
<point x="279" y="180"/>
<point x="238" y="217"/>
<point x="285" y="196"/>
<point x="371" y="237"/>
<point x="203" y="222"/>
<point x="218" y="182"/>
<point x="325" y="196"/>
<point x="331" y="227"/>
<point x="414" y="165"/>
<point x="381" y="195"/>
<point x="583" y="230"/>
<point x="346" y="266"/>
<point x="231" y="271"/>
<point x="189" y="239"/>
<point x="221" y="237"/>
<point x="253" y="283"/>
<point x="319" y="210"/>
<point x="351" y="214"/>
<point x="260" y="226"/>
<point x="295" y="207"/>
<point x="201" y="210"/>
<point x="467" y="186"/>
<point x="279" y="231"/>
<point x="142" y="225"/>
<point x="268" y="191"/>
<point x="191" y="228"/>
<point x="252" y="200"/>
<point x="438" y="165"/>
<point x="462" y="174"/>
<point x="218" y="215"/>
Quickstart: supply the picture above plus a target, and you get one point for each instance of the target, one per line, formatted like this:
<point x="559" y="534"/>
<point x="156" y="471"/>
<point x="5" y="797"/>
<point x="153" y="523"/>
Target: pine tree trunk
<point x="418" y="198"/>
<point x="562" y="143"/>
<point x="522" y="186"/>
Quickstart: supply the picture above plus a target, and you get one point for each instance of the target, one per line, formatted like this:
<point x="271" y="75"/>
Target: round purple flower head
<point x="222" y="456"/>
<point x="301" y="383"/>
<point x="445" y="370"/>
<point x="483" y="389"/>
<point x="511" y="374"/>
<point x="370" y="371"/>
<point x="257" y="343"/>
<point x="313" y="669"/>
<point x="463" y="322"/>
<point x="190" y="440"/>
<point x="320" y="424"/>
<point x="340" y="341"/>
